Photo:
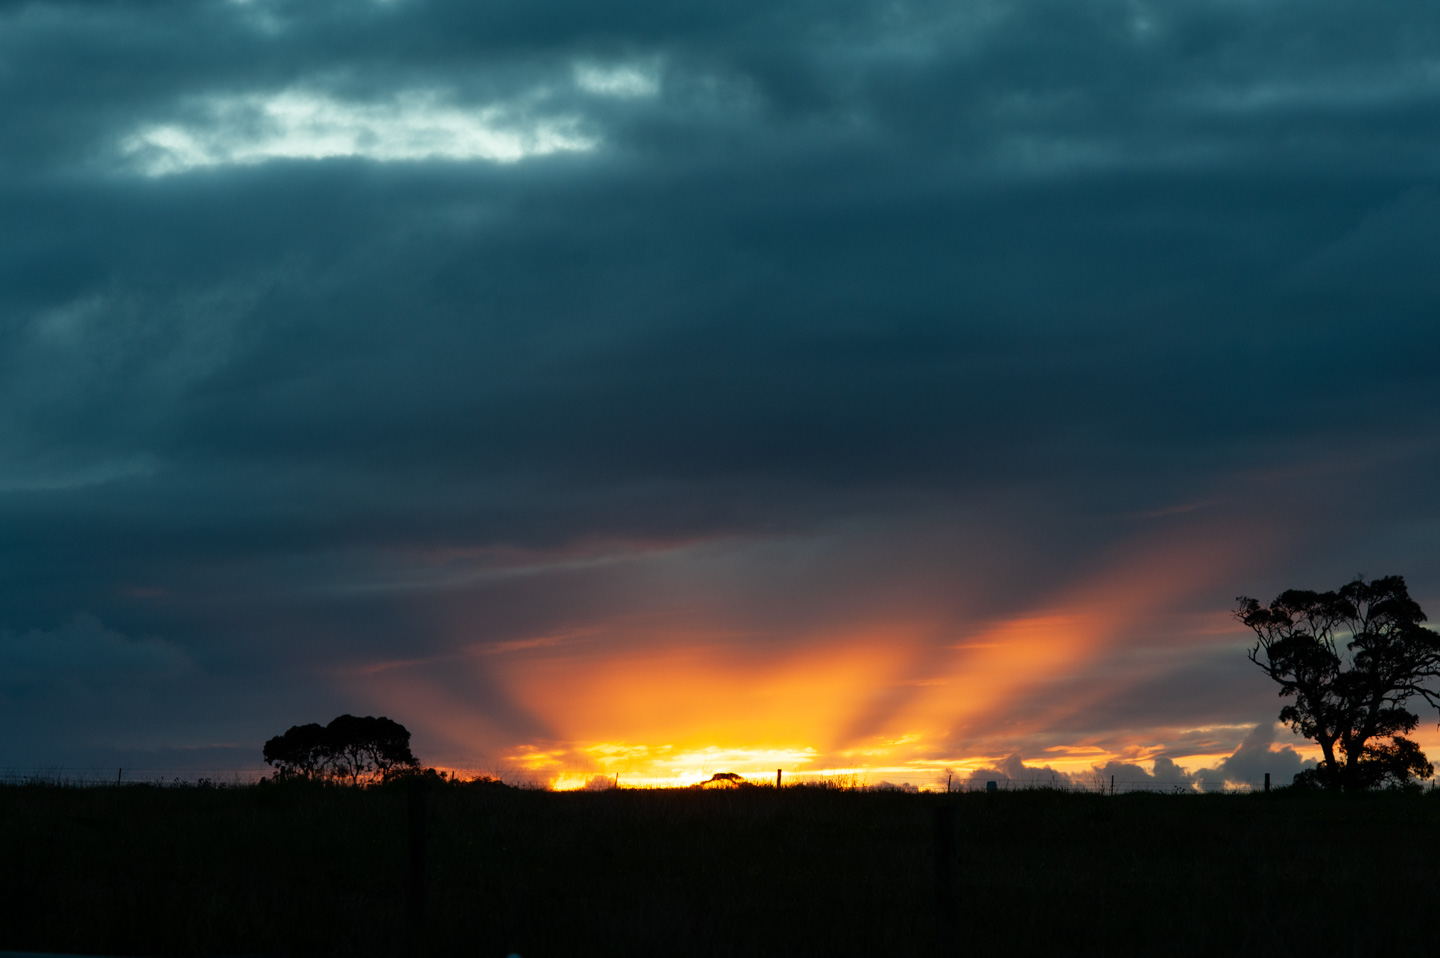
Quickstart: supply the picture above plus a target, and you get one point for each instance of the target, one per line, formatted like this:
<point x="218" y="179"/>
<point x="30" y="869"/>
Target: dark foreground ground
<point x="272" y="870"/>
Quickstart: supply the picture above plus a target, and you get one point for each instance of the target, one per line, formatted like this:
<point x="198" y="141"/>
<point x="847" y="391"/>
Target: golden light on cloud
<point x="911" y="695"/>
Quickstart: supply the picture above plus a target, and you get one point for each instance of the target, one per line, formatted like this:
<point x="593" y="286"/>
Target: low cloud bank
<point x="1256" y="756"/>
<point x="82" y="657"/>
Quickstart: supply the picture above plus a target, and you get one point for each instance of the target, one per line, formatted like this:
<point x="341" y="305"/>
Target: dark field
<point x="139" y="870"/>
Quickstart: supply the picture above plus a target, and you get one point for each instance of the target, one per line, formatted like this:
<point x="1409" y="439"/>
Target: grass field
<point x="270" y="870"/>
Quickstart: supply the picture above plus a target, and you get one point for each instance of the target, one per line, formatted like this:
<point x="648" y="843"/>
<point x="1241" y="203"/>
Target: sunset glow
<point x="895" y="393"/>
<point x="914" y="701"/>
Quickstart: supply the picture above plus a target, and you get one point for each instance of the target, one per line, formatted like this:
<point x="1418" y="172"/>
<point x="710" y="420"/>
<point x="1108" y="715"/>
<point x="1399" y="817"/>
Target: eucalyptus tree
<point x="1353" y="660"/>
<point x="350" y="749"/>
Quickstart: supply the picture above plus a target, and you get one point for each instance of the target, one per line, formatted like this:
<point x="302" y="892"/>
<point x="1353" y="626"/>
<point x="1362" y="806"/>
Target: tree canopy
<point x="350" y="748"/>
<point x="1352" y="659"/>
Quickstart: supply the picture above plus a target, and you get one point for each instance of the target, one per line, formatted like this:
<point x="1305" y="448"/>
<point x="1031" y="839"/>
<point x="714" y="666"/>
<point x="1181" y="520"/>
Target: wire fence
<point x="597" y="780"/>
<point x="91" y="776"/>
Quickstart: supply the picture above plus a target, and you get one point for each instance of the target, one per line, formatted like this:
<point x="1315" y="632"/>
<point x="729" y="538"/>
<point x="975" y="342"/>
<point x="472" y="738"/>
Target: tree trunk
<point x="1327" y="748"/>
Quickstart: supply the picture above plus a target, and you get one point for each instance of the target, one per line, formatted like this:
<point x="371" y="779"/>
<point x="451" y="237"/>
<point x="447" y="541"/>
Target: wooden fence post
<point x="777" y="778"/>
<point x="1267" y="781"/>
<point x="946" y="919"/>
<point x="415" y="900"/>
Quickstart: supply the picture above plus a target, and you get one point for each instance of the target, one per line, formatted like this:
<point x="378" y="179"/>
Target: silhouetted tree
<point x="302" y="752"/>
<point x="350" y="748"/>
<point x="1350" y="698"/>
<point x="370" y="746"/>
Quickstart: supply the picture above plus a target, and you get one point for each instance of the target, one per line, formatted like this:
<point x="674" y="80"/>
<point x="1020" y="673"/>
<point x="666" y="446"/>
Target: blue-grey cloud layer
<point x="1055" y="273"/>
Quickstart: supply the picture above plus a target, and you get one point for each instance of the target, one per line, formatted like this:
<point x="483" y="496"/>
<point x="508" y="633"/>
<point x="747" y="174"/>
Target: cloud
<point x="1381" y="257"/>
<point x="1246" y="766"/>
<point x="624" y="80"/>
<point x="302" y="124"/>
<point x="1256" y="757"/>
<point x="78" y="477"/>
<point x="82" y="666"/>
<point x="922" y="324"/>
<point x="1014" y="773"/>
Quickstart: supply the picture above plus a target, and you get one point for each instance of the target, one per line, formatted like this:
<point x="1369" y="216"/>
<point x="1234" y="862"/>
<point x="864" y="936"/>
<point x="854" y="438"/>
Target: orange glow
<point x="914" y="695"/>
<point x="701" y="696"/>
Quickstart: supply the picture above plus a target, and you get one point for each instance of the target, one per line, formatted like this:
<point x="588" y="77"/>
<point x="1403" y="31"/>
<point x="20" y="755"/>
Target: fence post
<point x="415" y="903"/>
<point x="777" y="778"/>
<point x="1112" y="784"/>
<point x="1267" y="781"/>
<point x="946" y="920"/>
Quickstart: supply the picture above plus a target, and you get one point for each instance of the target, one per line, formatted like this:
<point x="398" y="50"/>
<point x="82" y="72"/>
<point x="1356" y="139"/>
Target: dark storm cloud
<point x="282" y="321"/>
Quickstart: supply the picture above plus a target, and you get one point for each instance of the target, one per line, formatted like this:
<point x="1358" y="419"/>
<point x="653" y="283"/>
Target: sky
<point x="896" y="389"/>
